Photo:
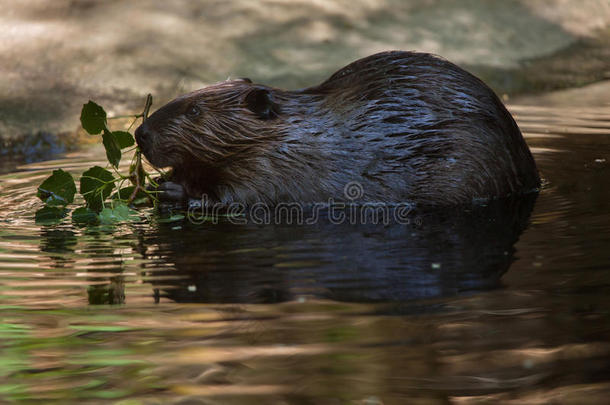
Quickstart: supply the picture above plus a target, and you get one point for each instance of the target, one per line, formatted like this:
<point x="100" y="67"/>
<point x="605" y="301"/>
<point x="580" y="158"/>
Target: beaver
<point x="405" y="126"/>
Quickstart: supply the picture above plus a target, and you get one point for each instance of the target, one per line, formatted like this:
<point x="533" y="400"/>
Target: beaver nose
<point x="142" y="135"/>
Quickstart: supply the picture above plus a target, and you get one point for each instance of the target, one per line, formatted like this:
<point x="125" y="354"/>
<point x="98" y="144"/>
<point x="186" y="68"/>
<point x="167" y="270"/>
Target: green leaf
<point x="93" y="118"/>
<point x="96" y="184"/>
<point x="50" y="215"/>
<point x="125" y="139"/>
<point x="58" y="189"/>
<point x="125" y="193"/>
<point x="123" y="212"/>
<point x="119" y="213"/>
<point x="113" y="149"/>
<point x="85" y="216"/>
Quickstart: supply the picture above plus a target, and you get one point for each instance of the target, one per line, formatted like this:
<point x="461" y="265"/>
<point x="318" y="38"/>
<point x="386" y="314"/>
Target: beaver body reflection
<point x="406" y="126"/>
<point x="453" y="251"/>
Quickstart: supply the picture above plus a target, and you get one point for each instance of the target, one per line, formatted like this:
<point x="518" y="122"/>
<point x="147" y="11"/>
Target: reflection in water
<point x="111" y="293"/>
<point x="451" y="251"/>
<point x="61" y="241"/>
<point x="492" y="305"/>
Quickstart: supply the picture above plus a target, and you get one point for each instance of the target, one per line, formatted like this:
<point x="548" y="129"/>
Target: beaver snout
<point x="146" y="138"/>
<point x="143" y="137"/>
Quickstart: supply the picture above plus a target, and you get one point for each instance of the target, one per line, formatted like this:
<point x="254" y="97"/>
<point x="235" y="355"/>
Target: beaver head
<point x="209" y="127"/>
<point x="214" y="135"/>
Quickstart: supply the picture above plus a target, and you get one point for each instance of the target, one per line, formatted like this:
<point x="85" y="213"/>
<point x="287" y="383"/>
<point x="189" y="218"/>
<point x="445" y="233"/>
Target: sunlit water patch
<point x="503" y="303"/>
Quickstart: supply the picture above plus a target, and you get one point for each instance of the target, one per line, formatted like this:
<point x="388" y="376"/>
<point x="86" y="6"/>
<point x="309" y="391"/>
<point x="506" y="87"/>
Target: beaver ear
<point x="260" y="102"/>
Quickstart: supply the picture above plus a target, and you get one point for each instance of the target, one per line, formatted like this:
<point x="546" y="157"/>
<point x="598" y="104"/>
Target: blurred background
<point x="56" y="55"/>
<point x="499" y="304"/>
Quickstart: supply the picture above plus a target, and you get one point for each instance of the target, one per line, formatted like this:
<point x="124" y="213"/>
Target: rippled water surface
<point x="506" y="303"/>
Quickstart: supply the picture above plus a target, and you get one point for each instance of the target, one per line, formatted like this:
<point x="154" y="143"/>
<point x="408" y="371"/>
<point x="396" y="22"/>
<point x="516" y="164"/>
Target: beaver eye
<point x="193" y="111"/>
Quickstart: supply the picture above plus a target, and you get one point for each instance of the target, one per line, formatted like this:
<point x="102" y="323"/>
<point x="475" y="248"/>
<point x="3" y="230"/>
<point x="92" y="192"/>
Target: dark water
<point x="506" y="303"/>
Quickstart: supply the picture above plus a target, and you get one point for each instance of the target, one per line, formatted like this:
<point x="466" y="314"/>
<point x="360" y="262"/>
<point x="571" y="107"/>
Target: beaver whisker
<point x="201" y="151"/>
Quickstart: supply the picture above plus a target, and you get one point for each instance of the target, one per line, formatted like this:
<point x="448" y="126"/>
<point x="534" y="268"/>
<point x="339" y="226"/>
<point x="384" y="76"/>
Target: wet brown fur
<point x="406" y="126"/>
